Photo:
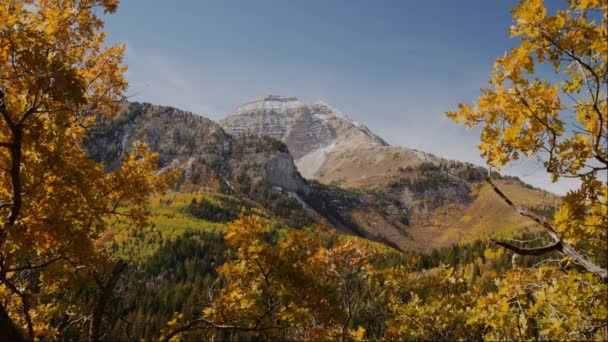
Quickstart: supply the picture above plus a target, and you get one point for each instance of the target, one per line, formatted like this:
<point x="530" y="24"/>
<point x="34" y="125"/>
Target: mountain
<point x="446" y="201"/>
<point x="196" y="144"/>
<point x="326" y="144"/>
<point x="305" y="127"/>
<point x="308" y="163"/>
<point x="257" y="168"/>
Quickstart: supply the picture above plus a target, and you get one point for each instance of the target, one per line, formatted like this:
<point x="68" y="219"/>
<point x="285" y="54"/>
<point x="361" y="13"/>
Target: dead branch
<point x="558" y="244"/>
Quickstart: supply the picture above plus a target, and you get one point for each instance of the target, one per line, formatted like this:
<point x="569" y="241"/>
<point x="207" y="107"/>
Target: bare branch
<point x="202" y="323"/>
<point x="530" y="251"/>
<point x="33" y="267"/>
<point x="563" y="247"/>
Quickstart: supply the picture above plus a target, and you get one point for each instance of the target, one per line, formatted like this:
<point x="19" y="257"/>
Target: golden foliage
<point x="305" y="284"/>
<point x="564" y="122"/>
<point x="56" y="77"/>
<point x="313" y="285"/>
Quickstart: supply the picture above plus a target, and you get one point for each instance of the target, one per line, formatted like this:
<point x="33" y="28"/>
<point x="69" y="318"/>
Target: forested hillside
<point x="183" y="273"/>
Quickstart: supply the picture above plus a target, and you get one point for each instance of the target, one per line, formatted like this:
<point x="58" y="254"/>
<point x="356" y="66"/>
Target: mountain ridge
<point x="360" y="185"/>
<point x="305" y="126"/>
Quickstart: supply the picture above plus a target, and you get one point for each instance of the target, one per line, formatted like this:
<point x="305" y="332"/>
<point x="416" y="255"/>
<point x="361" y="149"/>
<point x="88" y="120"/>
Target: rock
<point x="193" y="143"/>
<point x="325" y="143"/>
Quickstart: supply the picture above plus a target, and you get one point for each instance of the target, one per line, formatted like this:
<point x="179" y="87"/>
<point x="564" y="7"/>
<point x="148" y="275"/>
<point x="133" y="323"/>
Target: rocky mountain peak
<point x="269" y="102"/>
<point x="303" y="127"/>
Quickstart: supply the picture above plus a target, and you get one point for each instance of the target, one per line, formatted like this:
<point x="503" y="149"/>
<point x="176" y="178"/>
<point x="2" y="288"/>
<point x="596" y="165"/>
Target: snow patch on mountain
<point x="312" y="162"/>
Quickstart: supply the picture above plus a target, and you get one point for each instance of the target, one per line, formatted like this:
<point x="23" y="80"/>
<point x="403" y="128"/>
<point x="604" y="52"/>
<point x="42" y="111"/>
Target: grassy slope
<point x="487" y="216"/>
<point x="364" y="166"/>
<point x="374" y="167"/>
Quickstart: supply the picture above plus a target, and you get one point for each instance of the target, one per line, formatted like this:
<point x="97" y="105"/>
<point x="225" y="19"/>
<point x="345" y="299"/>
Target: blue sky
<point x="395" y="66"/>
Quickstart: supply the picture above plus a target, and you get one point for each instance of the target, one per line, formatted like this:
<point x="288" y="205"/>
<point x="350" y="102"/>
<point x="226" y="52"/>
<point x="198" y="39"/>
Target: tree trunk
<point x="105" y="293"/>
<point x="8" y="331"/>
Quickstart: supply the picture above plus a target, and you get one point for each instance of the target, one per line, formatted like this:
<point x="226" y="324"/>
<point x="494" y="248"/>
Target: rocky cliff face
<point x="196" y="144"/>
<point x="326" y="144"/>
<point x="303" y="127"/>
<point x="310" y="130"/>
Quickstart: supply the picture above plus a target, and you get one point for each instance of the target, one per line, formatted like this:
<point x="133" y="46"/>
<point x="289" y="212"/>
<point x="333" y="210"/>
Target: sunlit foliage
<point x="305" y="284"/>
<point x="56" y="77"/>
<point x="312" y="284"/>
<point x="562" y="119"/>
<point x="548" y="99"/>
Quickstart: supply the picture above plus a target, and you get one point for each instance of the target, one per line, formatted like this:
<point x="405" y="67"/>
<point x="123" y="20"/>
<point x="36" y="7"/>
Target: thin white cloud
<point x="155" y="78"/>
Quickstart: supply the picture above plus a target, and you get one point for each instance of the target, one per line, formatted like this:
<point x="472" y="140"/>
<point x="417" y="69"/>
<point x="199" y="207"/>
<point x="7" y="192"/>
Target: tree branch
<point x="9" y="331"/>
<point x="595" y="97"/>
<point x="530" y="251"/>
<point x="32" y="267"/>
<point x="25" y="308"/>
<point x="207" y="324"/>
<point x="15" y="151"/>
<point x="563" y="247"/>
